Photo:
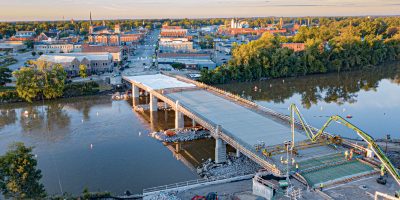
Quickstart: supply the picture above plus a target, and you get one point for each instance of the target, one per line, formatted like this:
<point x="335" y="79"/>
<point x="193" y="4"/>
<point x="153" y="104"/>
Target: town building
<point x="51" y="36"/>
<point x="23" y="36"/>
<point x="235" y="23"/>
<point x="173" y="31"/>
<point x="191" y="60"/>
<point x="96" y="63"/>
<point x="175" y="45"/>
<point x="101" y="35"/>
<point x="115" y="51"/>
<point x="57" y="48"/>
<point x="249" y="31"/>
<point x="12" y="46"/>
<point x="295" y="46"/>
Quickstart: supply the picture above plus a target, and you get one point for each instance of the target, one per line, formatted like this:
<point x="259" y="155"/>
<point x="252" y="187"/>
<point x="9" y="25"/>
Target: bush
<point x="7" y="96"/>
<point x="81" y="89"/>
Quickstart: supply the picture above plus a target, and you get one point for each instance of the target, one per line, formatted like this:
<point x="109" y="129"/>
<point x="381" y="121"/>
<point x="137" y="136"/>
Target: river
<point x="371" y="97"/>
<point x="93" y="142"/>
<point x="103" y="145"/>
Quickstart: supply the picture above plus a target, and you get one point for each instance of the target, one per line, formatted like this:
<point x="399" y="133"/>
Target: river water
<point x="371" y="97"/>
<point x="92" y="142"/>
<point x="103" y="145"/>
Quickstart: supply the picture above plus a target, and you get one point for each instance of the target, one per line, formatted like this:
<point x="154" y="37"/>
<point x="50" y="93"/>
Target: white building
<point x="95" y="62"/>
<point x="57" y="48"/>
<point x="12" y="46"/>
<point x="175" y="45"/>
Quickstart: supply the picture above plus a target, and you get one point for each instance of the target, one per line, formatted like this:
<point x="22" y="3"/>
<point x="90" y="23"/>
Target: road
<point x="144" y="54"/>
<point x="22" y="58"/>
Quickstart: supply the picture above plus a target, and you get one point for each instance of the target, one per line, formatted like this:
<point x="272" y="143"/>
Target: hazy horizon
<point x="52" y="10"/>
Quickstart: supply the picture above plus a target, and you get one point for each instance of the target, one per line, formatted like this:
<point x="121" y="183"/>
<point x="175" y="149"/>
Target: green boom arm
<point x="367" y="138"/>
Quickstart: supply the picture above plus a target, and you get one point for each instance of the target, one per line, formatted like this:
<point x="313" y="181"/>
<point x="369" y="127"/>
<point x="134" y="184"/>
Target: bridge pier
<point x="238" y="153"/>
<point x="220" y="147"/>
<point x="135" y="91"/>
<point x="179" y="118"/>
<point x="193" y="123"/>
<point x="154" y="121"/>
<point x="153" y="103"/>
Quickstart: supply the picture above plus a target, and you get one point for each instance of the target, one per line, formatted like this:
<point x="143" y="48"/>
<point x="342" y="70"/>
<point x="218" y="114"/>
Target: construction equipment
<point x="367" y="138"/>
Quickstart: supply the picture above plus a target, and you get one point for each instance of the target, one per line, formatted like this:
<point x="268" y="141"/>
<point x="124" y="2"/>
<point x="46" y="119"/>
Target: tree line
<point x="348" y="44"/>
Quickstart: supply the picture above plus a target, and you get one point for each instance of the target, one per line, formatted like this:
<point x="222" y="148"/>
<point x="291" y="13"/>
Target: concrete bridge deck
<point x="231" y="121"/>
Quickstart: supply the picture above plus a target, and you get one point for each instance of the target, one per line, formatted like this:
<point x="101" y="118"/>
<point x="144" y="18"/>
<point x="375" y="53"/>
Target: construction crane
<point x="367" y="138"/>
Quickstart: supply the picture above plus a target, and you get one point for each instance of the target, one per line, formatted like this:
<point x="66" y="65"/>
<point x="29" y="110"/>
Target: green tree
<point x="5" y="76"/>
<point x="29" y="44"/>
<point x="82" y="71"/>
<point x="40" y="80"/>
<point x="178" y="66"/>
<point x="19" y="178"/>
<point x="33" y="53"/>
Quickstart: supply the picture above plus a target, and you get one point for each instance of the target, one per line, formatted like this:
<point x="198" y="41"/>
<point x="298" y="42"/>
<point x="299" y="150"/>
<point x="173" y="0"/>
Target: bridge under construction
<point x="265" y="136"/>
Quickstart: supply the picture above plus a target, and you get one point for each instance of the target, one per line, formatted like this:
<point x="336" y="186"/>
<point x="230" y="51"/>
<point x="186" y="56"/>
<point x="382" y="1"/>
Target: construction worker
<point x="293" y="161"/>
<point x="346" y="154"/>
<point x="281" y="159"/>
<point x="383" y="171"/>
<point x="297" y="167"/>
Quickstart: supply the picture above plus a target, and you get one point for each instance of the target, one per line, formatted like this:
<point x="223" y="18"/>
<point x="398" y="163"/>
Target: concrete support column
<point x="179" y="119"/>
<point x="154" y="121"/>
<point x="135" y="91"/>
<point x="237" y="153"/>
<point x="193" y="123"/>
<point x="153" y="103"/>
<point x="178" y="147"/>
<point x="220" y="147"/>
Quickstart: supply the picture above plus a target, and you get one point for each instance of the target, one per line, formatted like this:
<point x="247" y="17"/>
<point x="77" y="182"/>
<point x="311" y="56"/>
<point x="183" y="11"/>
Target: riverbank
<point x="10" y="95"/>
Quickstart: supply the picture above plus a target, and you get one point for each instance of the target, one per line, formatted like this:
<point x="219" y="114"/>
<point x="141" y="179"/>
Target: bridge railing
<point x="192" y="182"/>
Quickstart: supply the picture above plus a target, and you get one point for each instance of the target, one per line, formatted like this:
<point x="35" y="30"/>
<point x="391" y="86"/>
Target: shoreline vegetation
<point x="91" y="88"/>
<point x="334" y="46"/>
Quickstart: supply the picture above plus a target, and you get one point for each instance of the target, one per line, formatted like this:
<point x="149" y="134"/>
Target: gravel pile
<point x="181" y="135"/>
<point x="232" y="168"/>
<point x="164" y="196"/>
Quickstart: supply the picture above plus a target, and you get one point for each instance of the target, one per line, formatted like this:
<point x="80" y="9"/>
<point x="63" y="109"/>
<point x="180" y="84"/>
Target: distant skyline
<point x="18" y="10"/>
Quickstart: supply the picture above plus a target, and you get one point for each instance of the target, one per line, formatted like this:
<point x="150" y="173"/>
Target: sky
<point x="11" y="10"/>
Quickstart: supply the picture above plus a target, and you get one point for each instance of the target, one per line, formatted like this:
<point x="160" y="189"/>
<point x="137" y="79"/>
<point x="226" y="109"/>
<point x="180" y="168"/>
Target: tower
<point x="117" y="29"/>
<point x="90" y="24"/>
<point x="233" y="23"/>
<point x="280" y="23"/>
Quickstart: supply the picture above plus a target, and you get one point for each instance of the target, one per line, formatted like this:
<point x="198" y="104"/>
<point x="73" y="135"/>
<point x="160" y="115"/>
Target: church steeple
<point x="91" y="18"/>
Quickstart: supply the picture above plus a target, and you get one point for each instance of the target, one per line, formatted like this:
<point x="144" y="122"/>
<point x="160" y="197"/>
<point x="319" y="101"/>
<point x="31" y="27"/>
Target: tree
<point x="19" y="178"/>
<point x="178" y="66"/>
<point x="33" y="53"/>
<point x="82" y="71"/>
<point x="5" y="75"/>
<point x="29" y="44"/>
<point x="42" y="79"/>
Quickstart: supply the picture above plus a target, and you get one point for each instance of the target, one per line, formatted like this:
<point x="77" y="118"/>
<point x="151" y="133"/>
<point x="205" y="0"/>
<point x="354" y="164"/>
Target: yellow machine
<point x="386" y="164"/>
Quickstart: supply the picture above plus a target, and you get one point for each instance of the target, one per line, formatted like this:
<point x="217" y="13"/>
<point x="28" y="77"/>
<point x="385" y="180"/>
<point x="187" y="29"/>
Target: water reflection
<point x="7" y="117"/>
<point x="331" y="88"/>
